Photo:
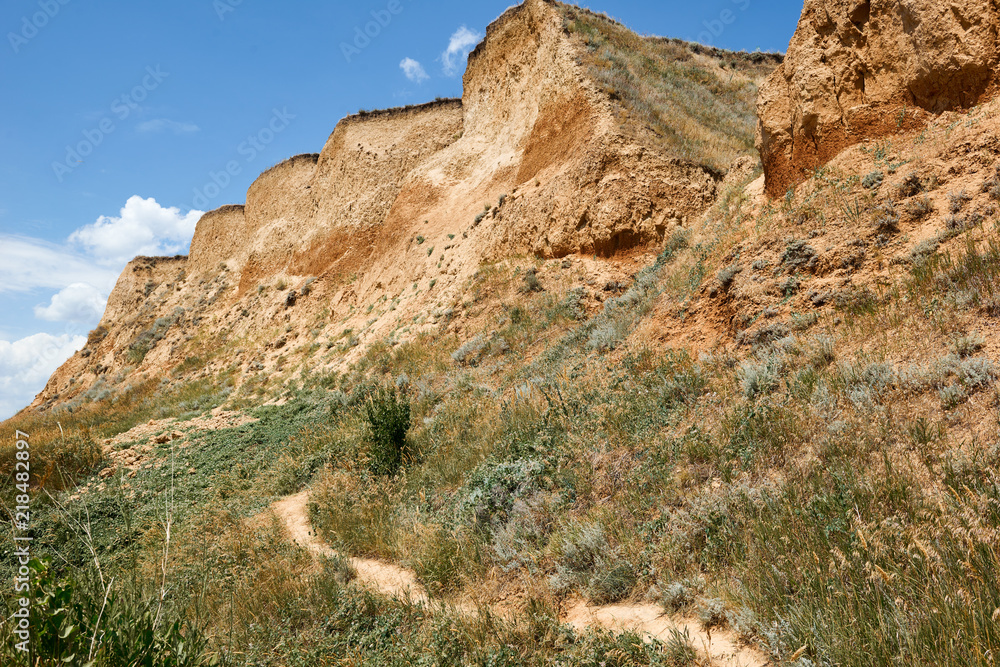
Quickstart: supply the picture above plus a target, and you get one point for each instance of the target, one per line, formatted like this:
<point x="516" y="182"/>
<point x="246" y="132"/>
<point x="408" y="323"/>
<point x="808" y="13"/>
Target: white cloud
<point x="80" y="302"/>
<point x="166" y="125"/>
<point x="30" y="264"/>
<point x="79" y="279"/>
<point x="413" y="70"/>
<point x="26" y="364"/>
<point x="142" y="228"/>
<point x="459" y="46"/>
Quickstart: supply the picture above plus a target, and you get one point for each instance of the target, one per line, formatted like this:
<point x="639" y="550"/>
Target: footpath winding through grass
<point x="722" y="649"/>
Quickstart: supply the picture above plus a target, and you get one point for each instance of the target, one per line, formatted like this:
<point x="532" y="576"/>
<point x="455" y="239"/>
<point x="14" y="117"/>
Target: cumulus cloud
<point x="143" y="227"/>
<point x="80" y="303"/>
<point x="78" y="276"/>
<point x="30" y="264"/>
<point x="413" y="70"/>
<point x="158" y="125"/>
<point x="459" y="47"/>
<point x="26" y="364"/>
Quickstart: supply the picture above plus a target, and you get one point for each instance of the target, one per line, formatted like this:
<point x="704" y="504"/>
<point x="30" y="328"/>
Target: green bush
<point x="388" y="417"/>
<point x="76" y="624"/>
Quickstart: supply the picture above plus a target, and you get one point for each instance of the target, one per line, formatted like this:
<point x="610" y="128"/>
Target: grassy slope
<point x="822" y="492"/>
<point x="563" y="459"/>
<point x="692" y="102"/>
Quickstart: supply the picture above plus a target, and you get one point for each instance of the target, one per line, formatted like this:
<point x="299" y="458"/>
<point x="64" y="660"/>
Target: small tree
<point x="388" y="421"/>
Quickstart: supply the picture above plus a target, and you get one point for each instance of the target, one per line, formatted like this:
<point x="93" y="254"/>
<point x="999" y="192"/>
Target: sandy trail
<point x="721" y="647"/>
<point x="385" y="577"/>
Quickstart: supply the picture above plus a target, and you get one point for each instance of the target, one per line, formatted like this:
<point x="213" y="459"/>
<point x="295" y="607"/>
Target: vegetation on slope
<point x="826" y="500"/>
<point x="828" y="487"/>
<point x="693" y="102"/>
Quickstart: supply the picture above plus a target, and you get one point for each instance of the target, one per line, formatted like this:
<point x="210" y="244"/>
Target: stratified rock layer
<point x="861" y="70"/>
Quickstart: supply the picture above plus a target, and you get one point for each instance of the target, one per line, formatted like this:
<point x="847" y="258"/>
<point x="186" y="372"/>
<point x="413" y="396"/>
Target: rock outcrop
<point x="862" y="69"/>
<point x="385" y="226"/>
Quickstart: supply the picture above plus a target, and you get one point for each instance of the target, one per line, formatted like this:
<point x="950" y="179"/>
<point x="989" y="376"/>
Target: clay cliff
<point x="864" y="69"/>
<point x="378" y="234"/>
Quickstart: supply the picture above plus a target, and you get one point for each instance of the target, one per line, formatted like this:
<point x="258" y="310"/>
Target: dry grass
<point x="672" y="94"/>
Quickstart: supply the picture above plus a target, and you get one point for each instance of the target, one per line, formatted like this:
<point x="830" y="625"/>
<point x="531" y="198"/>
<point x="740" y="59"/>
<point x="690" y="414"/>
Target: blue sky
<point x="115" y="116"/>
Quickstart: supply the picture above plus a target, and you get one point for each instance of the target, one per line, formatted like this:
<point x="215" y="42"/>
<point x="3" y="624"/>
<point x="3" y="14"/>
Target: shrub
<point x="146" y="340"/>
<point x="798" y="255"/>
<point x="919" y="207"/>
<point x="604" y="337"/>
<point x="966" y="346"/>
<point x="470" y="351"/>
<point x="886" y="218"/>
<point x="761" y="377"/>
<point x="712" y="613"/>
<point x="957" y="201"/>
<point x="728" y="274"/>
<point x="531" y="282"/>
<point x="73" y="624"/>
<point x="977" y="373"/>
<point x="95" y="337"/>
<point x="587" y="561"/>
<point x="678" y="596"/>
<point x="388" y="416"/>
<point x="493" y="489"/>
<point x="923" y="251"/>
<point x="910" y="186"/>
<point x="873" y="180"/>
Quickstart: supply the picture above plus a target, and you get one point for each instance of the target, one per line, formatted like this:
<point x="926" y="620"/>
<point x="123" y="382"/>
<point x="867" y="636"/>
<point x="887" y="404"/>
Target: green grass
<point x="813" y="495"/>
<point x="669" y="97"/>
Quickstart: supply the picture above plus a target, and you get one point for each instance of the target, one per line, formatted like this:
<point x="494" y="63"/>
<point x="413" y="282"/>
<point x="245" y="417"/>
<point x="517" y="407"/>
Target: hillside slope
<point x="554" y="150"/>
<point x="778" y="416"/>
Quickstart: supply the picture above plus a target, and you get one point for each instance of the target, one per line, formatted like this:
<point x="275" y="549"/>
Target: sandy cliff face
<point x="381" y="230"/>
<point x="859" y="70"/>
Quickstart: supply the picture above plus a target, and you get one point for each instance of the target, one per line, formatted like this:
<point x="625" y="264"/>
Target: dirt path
<point x="721" y="646"/>
<point x="387" y="578"/>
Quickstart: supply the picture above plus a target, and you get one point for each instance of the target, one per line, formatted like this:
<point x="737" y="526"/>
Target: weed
<point x="920" y="207"/>
<point x="531" y="282"/>
<point x="967" y="345"/>
<point x="388" y="415"/>
<point x="910" y="186"/>
<point x="668" y="97"/>
<point x="873" y="180"/>
<point x="728" y="274"/>
<point x="923" y="432"/>
<point x="679" y="650"/>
